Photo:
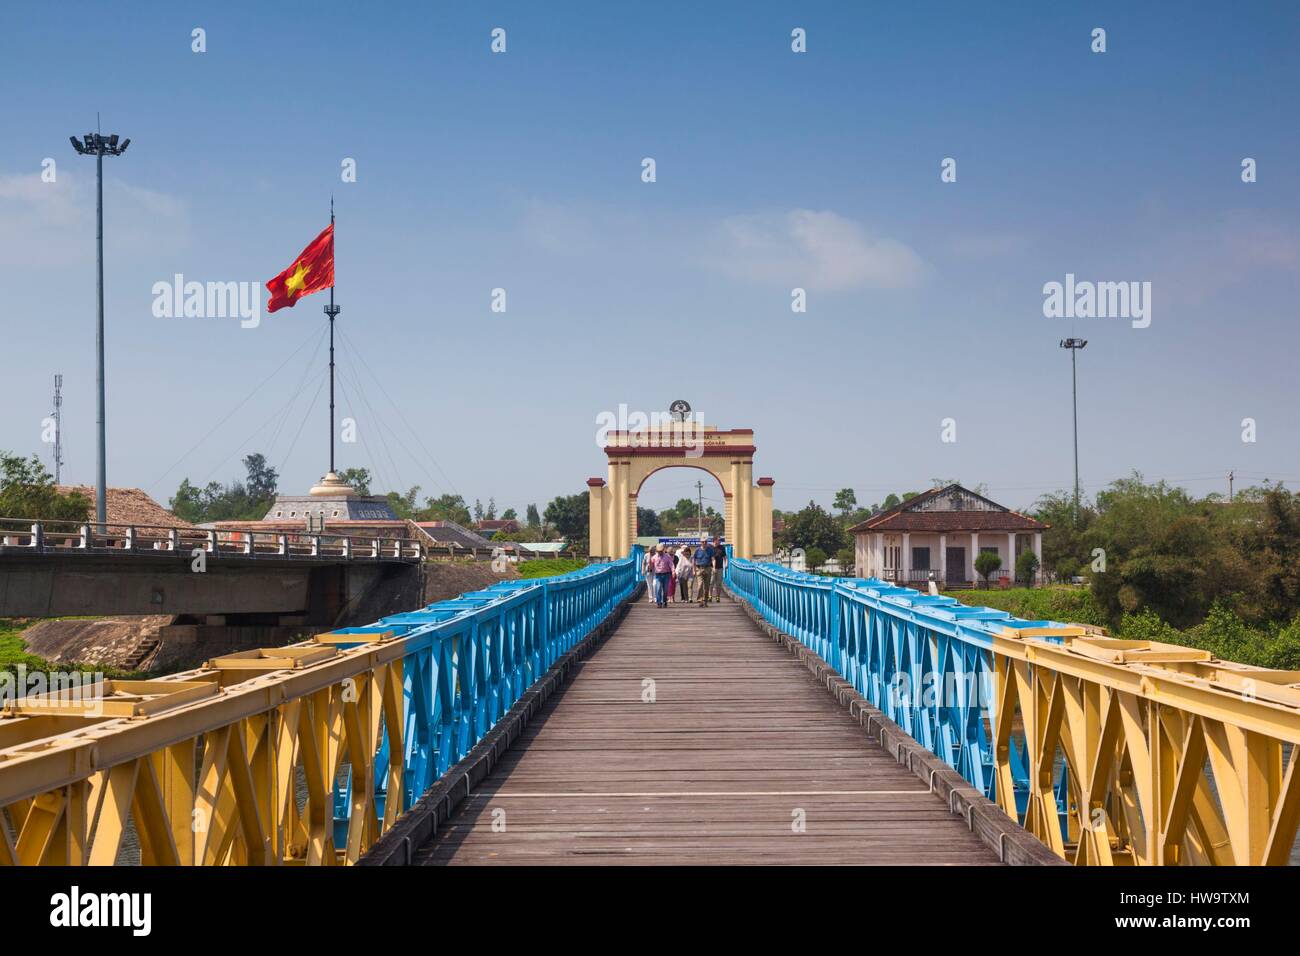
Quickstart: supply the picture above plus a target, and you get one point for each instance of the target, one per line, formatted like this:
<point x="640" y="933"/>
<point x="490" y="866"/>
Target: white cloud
<point x="52" y="225"/>
<point x="1241" y="248"/>
<point x="813" y="249"/>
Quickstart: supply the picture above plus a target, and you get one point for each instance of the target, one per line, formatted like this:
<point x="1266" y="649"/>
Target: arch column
<point x="763" y="517"/>
<point x="597" y="509"/>
<point x="624" y="522"/>
<point x="739" y="512"/>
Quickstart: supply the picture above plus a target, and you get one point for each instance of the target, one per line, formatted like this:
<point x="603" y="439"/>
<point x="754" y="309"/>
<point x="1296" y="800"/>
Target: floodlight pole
<point x="1074" y="345"/>
<point x="100" y="146"/>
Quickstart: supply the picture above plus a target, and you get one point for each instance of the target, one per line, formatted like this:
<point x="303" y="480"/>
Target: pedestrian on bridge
<point x="663" y="568"/>
<point x="719" y="565"/>
<point x="685" y="573"/>
<point x="648" y="569"/>
<point x="703" y="571"/>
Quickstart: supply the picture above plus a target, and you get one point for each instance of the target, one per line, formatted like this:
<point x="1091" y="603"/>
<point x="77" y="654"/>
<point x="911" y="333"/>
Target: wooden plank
<point x="741" y="757"/>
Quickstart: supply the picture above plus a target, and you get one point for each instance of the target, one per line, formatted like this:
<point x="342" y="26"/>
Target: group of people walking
<point x="674" y="575"/>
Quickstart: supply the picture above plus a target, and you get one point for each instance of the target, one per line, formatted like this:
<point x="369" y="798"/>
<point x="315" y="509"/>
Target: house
<point x="935" y="536"/>
<point x="490" y="526"/>
<point x="448" y="533"/>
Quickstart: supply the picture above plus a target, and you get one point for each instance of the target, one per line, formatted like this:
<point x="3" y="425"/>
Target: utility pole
<point x="1230" y="487"/>
<point x="1074" y="345"/>
<point x="99" y="146"/>
<point x="58" y="429"/>
<point x="699" y="514"/>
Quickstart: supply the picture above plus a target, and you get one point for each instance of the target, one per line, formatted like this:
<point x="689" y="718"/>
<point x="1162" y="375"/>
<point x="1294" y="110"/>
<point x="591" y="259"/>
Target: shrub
<point x="1026" y="567"/>
<point x="1069" y="605"/>
<point x="986" y="562"/>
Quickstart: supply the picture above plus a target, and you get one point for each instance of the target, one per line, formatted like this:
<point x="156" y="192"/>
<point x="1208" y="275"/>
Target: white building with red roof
<point x="937" y="535"/>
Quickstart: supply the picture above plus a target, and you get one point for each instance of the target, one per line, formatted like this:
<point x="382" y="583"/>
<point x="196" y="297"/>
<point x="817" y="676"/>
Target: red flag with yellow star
<point x="312" y="271"/>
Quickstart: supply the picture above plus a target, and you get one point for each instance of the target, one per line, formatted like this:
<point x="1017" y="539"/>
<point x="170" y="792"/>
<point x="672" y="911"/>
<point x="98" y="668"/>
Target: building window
<point x="920" y="559"/>
<point x="986" y="549"/>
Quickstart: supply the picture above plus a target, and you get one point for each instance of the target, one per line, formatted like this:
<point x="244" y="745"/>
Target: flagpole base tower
<point x="332" y="486"/>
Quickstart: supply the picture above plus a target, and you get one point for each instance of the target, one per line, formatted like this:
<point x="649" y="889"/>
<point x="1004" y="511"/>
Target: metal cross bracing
<point x="284" y="755"/>
<point x="1109" y="751"/>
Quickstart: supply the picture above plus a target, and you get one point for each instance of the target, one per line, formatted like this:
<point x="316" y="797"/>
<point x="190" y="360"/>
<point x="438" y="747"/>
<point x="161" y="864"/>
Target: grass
<point x="548" y="567"/>
<point x="13" y="652"/>
<point x="13" y="649"/>
<point x="1053" y="602"/>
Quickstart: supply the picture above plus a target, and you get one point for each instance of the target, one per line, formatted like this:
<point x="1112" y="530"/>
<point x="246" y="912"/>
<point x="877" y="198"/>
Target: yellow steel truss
<point x="233" y="763"/>
<point x="1146" y="753"/>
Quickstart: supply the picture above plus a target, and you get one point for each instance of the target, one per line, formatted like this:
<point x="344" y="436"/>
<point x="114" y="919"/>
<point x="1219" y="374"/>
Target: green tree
<point x="358" y="478"/>
<point x="986" y="562"/>
<point x="892" y="501"/>
<point x="571" y="516"/>
<point x="446" y="507"/>
<point x="813" y="527"/>
<point x="647" y="522"/>
<point x="404" y="505"/>
<point x="261" y="482"/>
<point x="491" y="513"/>
<point x="814" y="558"/>
<point x="247" y="500"/>
<point x="845" y="500"/>
<point x="1065" y="542"/>
<point x="1026" y="565"/>
<point x="509" y="515"/>
<point x="534" y="519"/>
<point x="28" y="491"/>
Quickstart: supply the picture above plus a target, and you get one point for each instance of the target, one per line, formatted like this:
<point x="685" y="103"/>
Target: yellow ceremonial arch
<point x="635" y="455"/>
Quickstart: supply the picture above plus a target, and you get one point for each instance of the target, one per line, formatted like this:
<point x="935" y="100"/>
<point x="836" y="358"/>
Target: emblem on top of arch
<point x="679" y="409"/>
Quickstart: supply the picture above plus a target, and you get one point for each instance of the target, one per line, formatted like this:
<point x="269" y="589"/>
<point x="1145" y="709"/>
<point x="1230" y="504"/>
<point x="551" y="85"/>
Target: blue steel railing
<point x="471" y="658"/>
<point x="925" y="661"/>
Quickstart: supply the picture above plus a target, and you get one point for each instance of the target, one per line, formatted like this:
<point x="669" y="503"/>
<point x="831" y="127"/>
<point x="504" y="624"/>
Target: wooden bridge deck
<point x="740" y="738"/>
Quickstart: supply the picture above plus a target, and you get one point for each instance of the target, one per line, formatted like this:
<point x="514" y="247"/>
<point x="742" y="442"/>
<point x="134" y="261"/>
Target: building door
<point x="955" y="566"/>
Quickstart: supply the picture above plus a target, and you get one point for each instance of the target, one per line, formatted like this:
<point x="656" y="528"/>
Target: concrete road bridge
<point x="51" y="569"/>
<point x="563" y="720"/>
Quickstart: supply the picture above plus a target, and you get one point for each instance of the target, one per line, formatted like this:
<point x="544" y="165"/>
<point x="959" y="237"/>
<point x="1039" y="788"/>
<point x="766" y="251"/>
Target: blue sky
<point x="522" y="171"/>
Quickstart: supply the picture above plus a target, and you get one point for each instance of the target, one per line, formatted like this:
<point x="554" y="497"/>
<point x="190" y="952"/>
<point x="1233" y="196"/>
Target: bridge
<point x="809" y="720"/>
<point x="50" y="569"/>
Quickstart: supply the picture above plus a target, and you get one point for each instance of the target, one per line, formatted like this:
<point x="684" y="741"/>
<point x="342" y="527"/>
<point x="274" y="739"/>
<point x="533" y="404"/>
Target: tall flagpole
<point x="332" y="310"/>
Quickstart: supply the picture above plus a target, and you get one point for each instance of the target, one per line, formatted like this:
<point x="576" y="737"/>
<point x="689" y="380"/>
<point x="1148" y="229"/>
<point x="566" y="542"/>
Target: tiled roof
<point x="905" y="517"/>
<point x="130" y="506"/>
<point x="448" y="532"/>
<point x="953" y="521"/>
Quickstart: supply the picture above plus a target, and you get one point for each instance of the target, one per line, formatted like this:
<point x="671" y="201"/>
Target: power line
<point x="157" y="481"/>
<point x="398" y="409"/>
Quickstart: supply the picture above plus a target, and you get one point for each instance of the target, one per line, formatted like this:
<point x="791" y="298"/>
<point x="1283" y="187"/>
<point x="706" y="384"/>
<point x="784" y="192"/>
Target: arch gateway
<point x="635" y="454"/>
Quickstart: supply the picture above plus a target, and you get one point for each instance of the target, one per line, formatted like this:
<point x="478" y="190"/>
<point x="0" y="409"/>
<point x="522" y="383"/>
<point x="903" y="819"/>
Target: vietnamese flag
<point x="312" y="271"/>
